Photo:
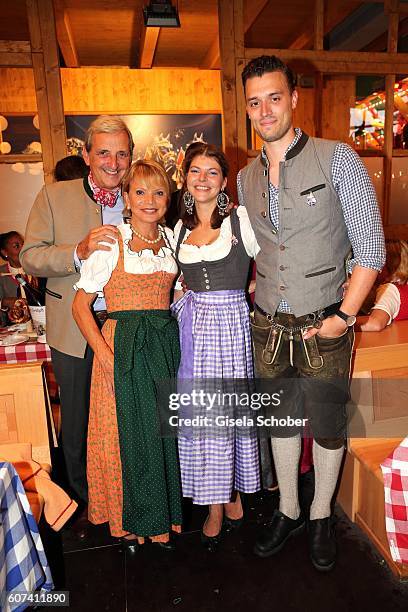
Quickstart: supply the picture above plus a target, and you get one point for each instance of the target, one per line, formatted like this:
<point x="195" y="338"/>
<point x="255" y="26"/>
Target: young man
<point x="69" y="221"/>
<point x="311" y="204"/>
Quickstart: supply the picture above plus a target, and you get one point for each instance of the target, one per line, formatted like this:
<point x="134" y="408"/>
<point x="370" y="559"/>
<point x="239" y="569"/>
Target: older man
<point x="69" y="221"/>
<point x="314" y="212"/>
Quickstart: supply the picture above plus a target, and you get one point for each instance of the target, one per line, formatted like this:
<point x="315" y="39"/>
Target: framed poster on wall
<point x="160" y="137"/>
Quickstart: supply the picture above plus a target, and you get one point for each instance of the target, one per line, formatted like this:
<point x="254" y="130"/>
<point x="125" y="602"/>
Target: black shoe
<point x="211" y="543"/>
<point x="230" y="524"/>
<point x="274" y="536"/>
<point x="129" y="544"/>
<point x="322" y="544"/>
<point x="80" y="524"/>
<point x="168" y="546"/>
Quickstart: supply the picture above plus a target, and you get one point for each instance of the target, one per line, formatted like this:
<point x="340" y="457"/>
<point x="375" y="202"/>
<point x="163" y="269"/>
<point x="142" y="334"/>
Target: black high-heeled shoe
<point x="211" y="543"/>
<point x="230" y="524"/>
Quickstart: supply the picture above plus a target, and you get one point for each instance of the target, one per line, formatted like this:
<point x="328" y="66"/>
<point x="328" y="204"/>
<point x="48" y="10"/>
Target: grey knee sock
<point x="327" y="464"/>
<point x="286" y="455"/>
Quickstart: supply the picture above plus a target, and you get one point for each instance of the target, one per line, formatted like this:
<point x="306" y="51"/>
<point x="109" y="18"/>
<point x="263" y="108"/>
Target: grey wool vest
<point x="302" y="262"/>
<point x="230" y="272"/>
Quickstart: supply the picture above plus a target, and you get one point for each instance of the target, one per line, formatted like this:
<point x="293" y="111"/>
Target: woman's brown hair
<point x="397" y="261"/>
<point x="191" y="221"/>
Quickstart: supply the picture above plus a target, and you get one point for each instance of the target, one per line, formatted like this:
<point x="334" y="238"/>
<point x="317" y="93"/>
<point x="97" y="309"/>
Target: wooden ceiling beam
<point x="337" y="62"/>
<point x="64" y="35"/>
<point x="318" y="34"/>
<point x="231" y="16"/>
<point x="381" y="42"/>
<point x="15" y="53"/>
<point x="148" y="44"/>
<point x="47" y="79"/>
<point x="251" y="12"/>
<point x="212" y="57"/>
<point x="392" y="44"/>
<point x="306" y="38"/>
<point x="15" y="46"/>
<point x="318" y="29"/>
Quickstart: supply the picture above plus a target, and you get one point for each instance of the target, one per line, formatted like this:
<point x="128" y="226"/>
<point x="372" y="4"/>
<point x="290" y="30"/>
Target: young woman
<point x="133" y="474"/>
<point x="214" y="246"/>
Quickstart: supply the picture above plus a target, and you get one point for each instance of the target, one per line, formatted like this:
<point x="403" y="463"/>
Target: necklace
<point x="155" y="241"/>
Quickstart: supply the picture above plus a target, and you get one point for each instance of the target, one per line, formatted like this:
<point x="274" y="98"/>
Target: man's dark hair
<point x="268" y="63"/>
<point x="70" y="167"/>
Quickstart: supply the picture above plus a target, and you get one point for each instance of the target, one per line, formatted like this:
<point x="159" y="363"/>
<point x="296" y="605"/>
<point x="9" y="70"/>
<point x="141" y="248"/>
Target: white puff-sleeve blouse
<point x="98" y="268"/>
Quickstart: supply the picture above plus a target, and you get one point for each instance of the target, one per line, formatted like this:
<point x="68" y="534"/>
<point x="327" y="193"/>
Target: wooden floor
<point x="100" y="576"/>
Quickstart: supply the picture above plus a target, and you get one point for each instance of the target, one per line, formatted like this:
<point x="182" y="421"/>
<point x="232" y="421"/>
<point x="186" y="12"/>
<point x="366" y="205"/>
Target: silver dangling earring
<point x="222" y="202"/>
<point x="188" y="201"/>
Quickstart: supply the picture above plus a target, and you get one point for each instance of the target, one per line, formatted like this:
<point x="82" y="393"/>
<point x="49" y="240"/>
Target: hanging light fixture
<point x="161" y="14"/>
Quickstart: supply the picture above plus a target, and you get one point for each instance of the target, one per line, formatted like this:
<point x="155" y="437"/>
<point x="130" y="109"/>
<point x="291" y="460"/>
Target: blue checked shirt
<point x="359" y="203"/>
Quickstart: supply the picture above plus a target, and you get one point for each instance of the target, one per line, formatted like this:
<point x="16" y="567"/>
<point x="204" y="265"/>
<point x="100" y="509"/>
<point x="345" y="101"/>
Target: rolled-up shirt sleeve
<point x="360" y="208"/>
<point x="97" y="270"/>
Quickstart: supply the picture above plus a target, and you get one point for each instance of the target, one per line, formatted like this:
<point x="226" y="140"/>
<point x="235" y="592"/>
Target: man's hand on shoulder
<point x="92" y="242"/>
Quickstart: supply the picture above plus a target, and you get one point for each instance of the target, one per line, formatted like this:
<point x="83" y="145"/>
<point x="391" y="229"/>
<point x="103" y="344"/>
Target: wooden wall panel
<point x="303" y="116"/>
<point x="23" y="412"/>
<point x="338" y="97"/>
<point x="118" y="90"/>
<point x="17" y="92"/>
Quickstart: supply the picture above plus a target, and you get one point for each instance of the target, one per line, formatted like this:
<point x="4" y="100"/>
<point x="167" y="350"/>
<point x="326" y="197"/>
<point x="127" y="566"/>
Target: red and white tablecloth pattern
<point x="395" y="475"/>
<point x="28" y="352"/>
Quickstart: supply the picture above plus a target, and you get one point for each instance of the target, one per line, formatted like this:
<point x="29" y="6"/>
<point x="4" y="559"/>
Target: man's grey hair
<point x="107" y="124"/>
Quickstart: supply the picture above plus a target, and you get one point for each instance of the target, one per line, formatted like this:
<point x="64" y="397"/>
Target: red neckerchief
<point x="103" y="196"/>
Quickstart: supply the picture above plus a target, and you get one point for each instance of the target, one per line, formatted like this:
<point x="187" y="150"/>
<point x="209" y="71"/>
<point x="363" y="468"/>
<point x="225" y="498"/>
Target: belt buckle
<point x="317" y="318"/>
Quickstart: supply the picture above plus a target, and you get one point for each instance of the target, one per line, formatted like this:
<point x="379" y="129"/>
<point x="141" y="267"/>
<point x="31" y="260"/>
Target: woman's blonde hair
<point x="397" y="261"/>
<point x="151" y="172"/>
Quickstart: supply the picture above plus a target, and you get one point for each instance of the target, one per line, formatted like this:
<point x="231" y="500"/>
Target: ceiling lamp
<point x="161" y="14"/>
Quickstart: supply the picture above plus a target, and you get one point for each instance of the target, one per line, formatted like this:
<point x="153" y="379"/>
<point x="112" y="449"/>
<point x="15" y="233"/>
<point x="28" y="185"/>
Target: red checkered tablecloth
<point x="25" y="352"/>
<point x="395" y="476"/>
<point x="28" y="352"/>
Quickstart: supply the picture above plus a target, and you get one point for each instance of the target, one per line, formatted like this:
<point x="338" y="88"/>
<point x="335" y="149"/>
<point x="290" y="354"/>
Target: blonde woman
<point x="133" y="476"/>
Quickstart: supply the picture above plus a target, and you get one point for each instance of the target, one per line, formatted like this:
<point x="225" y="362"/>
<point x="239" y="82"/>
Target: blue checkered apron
<point x="213" y="466"/>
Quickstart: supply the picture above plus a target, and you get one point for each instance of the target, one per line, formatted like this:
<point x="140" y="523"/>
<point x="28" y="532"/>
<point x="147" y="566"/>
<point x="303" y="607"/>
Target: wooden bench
<point x="361" y="493"/>
<point x="380" y="369"/>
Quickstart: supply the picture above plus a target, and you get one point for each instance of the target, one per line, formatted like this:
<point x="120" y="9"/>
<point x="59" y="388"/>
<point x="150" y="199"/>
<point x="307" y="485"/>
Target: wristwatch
<point x="349" y="319"/>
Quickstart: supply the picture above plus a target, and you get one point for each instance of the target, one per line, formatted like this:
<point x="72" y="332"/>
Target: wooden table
<point x="28" y="352"/>
<point x="380" y="366"/>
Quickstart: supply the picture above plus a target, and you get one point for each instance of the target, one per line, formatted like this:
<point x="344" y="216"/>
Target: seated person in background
<point x="10" y="246"/>
<point x="70" y="168"/>
<point x="391" y="300"/>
